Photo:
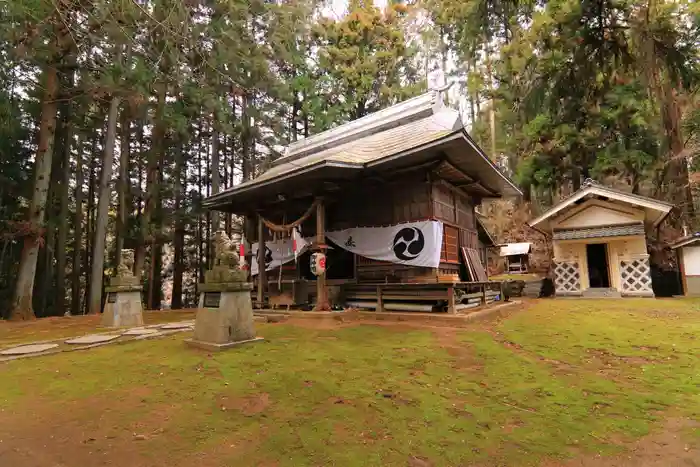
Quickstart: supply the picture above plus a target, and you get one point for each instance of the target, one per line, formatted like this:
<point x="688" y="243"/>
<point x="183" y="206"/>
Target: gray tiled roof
<point x="379" y="145"/>
<point x="416" y="131"/>
<point x="597" y="232"/>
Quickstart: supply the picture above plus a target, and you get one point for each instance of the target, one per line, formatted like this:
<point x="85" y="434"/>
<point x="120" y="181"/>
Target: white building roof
<point x="510" y="249"/>
<point x="686" y="241"/>
<point x="655" y="211"/>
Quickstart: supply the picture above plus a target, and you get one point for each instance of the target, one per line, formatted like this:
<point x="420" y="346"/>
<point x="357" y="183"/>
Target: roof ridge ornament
<point x="589" y="182"/>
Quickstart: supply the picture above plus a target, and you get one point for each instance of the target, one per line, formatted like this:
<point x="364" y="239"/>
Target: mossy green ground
<point x="13" y="333"/>
<point x="559" y="379"/>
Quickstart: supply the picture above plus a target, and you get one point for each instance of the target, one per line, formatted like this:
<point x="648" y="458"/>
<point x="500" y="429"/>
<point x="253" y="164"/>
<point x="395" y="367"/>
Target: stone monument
<point x="225" y="314"/>
<point x="123" y="304"/>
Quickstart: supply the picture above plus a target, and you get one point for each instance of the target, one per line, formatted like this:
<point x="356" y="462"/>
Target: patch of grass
<point x="652" y="345"/>
<point x="560" y="378"/>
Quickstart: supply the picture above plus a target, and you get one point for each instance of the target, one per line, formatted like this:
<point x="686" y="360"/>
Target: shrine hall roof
<point x="408" y="133"/>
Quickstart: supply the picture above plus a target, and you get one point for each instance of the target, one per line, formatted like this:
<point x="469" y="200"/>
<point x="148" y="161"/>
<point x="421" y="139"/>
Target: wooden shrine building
<point x="388" y="199"/>
<point x="517" y="256"/>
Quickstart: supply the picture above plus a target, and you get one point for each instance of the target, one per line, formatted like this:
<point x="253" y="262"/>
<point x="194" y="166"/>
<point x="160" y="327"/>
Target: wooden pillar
<point x="380" y="300"/>
<point x="451" y="305"/>
<point x="249" y="228"/>
<point x="484" y="298"/>
<point x="681" y="268"/>
<point x="261" y="262"/>
<point x="322" y="303"/>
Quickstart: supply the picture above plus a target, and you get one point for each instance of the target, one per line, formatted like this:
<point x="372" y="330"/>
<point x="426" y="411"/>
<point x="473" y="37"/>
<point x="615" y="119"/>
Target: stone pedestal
<point x="123" y="303"/>
<point x="225" y="314"/>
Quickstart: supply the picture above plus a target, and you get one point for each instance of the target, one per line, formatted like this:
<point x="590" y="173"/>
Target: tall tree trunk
<point x="124" y="185"/>
<point x="64" y="211"/>
<point x="44" y="292"/>
<point x="634" y="181"/>
<point x="140" y="253"/>
<point x="151" y="218"/>
<point x="677" y="173"/>
<point x="470" y="96"/>
<point x="44" y="289"/>
<point x="576" y="177"/>
<point x="293" y="126"/>
<point x="492" y="106"/>
<point x="526" y="188"/>
<point x="78" y="234"/>
<point x="306" y="119"/>
<point x="98" y="246"/>
<point x="208" y="214"/>
<point x="246" y="162"/>
<point x="90" y="219"/>
<point x="444" y="52"/>
<point x="44" y="273"/>
<point x="660" y="84"/>
<point x="215" y="173"/>
<point x="225" y="165"/>
<point x="22" y="306"/>
<point x="179" y="234"/>
<point x="200" y="232"/>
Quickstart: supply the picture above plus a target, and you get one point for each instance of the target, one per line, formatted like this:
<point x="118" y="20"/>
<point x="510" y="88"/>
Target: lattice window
<point x="567" y="277"/>
<point x="636" y="276"/>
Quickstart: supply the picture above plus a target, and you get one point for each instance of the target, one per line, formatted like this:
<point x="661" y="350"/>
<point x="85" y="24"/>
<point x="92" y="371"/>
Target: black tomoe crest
<point x="268" y="256"/>
<point x="408" y="243"/>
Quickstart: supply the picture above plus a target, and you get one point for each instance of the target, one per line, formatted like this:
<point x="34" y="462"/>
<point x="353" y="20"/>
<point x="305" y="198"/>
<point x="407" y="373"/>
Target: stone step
<point x="272" y="317"/>
<point x="601" y="293"/>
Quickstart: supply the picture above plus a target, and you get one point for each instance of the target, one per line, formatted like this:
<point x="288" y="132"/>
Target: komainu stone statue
<point x="225" y="251"/>
<point x="125" y="275"/>
<point x="126" y="264"/>
<point x="226" y="263"/>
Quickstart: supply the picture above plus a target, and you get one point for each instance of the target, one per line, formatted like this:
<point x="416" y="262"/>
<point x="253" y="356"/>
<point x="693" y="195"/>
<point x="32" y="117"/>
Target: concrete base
<point x="123" y="308"/>
<point x="225" y="317"/>
<point x="232" y="321"/>
<point x="212" y="347"/>
<point x="595" y="292"/>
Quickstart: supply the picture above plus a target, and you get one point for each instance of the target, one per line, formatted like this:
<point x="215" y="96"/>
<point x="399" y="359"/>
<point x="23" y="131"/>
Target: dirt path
<point x="666" y="448"/>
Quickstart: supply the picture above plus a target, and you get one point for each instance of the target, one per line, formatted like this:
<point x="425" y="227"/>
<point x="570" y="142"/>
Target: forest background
<point x="117" y="117"/>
